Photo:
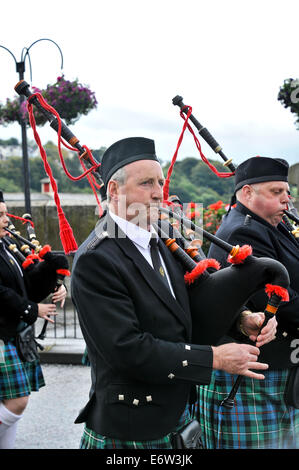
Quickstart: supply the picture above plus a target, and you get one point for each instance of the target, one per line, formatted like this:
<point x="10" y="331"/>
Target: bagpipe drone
<point x="30" y="253"/>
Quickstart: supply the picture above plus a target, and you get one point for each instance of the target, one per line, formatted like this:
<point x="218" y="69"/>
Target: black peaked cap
<point x="259" y="170"/>
<point x="126" y="151"/>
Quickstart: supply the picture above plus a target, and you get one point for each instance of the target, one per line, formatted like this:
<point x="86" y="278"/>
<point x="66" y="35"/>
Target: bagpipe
<point x="29" y="253"/>
<point x="292" y="215"/>
<point x="222" y="294"/>
<point x="218" y="293"/>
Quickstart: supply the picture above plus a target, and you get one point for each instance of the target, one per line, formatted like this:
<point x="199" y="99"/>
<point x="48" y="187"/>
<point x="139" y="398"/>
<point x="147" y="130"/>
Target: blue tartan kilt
<point x="85" y="359"/>
<point x="17" y="378"/>
<point x="260" y="419"/>
<point x="92" y="440"/>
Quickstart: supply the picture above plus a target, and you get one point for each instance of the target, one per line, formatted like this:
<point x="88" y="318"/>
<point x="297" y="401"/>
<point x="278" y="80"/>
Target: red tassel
<point x="63" y="272"/>
<point x="278" y="290"/>
<point x="27" y="263"/>
<point x="243" y="253"/>
<point x="31" y="259"/>
<point x="66" y="235"/>
<point x="200" y="268"/>
<point x="45" y="249"/>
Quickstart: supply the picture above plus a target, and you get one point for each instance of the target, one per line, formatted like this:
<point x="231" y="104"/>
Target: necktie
<point x="157" y="261"/>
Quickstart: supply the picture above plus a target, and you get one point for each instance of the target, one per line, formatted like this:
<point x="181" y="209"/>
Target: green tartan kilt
<point x="260" y="419"/>
<point x="92" y="440"/>
<point x="85" y="359"/>
<point x="17" y="378"/>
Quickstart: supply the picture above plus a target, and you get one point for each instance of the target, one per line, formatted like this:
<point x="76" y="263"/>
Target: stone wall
<point x="81" y="218"/>
<point x="294" y="175"/>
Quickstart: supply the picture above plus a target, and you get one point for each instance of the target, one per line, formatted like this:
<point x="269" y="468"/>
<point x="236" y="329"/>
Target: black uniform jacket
<point x="138" y="339"/>
<point x="19" y="294"/>
<point x="240" y="227"/>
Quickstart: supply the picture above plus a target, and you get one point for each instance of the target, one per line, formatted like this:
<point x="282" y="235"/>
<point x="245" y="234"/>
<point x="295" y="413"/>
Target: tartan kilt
<point x="17" y="378"/>
<point x="260" y="419"/>
<point x="92" y="440"/>
<point x="85" y="359"/>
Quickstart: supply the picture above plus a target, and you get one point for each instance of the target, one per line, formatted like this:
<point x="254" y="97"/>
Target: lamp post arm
<point x="44" y="39"/>
<point x="10" y="53"/>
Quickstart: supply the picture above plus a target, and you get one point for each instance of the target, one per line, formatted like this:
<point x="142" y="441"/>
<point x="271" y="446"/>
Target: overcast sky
<point x="227" y="59"/>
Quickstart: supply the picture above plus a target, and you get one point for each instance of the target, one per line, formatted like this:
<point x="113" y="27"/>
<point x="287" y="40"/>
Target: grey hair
<point x="120" y="176"/>
<point x="255" y="187"/>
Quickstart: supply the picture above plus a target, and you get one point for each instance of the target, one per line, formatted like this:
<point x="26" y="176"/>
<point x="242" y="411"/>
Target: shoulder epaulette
<point x="100" y="233"/>
<point x="94" y="242"/>
<point x="247" y="220"/>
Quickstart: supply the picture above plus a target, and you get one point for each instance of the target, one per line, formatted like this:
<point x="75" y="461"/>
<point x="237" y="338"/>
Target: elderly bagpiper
<point x="21" y="291"/>
<point x="134" y="312"/>
<point x="265" y="413"/>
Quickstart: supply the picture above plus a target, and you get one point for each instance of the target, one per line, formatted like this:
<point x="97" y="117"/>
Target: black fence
<point x="66" y="323"/>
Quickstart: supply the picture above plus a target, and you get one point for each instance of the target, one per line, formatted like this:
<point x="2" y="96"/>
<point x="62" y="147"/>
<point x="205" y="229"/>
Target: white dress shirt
<point x="141" y="239"/>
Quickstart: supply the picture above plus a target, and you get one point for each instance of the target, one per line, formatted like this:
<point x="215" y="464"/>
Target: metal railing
<point x="66" y="323"/>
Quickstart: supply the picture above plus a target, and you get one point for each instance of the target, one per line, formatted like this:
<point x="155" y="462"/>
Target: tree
<point x="12" y="141"/>
<point x="11" y="170"/>
<point x="12" y="179"/>
<point x="289" y="97"/>
<point x="8" y="185"/>
<point x="193" y="180"/>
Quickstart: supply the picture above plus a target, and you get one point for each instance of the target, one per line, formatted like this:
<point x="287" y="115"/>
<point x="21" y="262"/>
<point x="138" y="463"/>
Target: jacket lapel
<point x="13" y="269"/>
<point x="281" y="232"/>
<point x="288" y="241"/>
<point x="179" y="306"/>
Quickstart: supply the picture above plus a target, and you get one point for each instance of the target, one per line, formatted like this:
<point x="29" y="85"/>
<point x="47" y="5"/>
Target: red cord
<point x="92" y="184"/>
<point x="25" y="221"/>
<point x="88" y="172"/>
<point x="46" y="106"/>
<point x="205" y="160"/>
<point x="167" y="181"/>
<point x="66" y="234"/>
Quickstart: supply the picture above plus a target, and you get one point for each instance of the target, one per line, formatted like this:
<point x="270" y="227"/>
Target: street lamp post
<point x="20" y="69"/>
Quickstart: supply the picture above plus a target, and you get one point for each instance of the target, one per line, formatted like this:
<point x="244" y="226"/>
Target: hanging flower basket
<point x="70" y="99"/>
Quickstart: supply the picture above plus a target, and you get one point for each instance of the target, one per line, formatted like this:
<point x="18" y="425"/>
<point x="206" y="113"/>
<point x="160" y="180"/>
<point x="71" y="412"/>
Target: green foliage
<point x="289" y="97"/>
<point x="12" y="141"/>
<point x="9" y="185"/>
<point x="11" y="173"/>
<point x="192" y="180"/>
<point x="11" y="170"/>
